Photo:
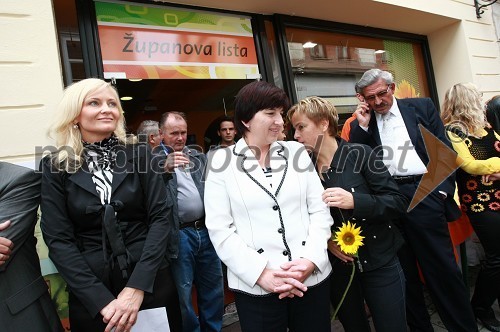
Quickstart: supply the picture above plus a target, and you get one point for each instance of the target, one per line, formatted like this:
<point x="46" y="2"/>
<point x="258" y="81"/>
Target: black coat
<point x="378" y="204"/>
<point x="72" y="226"/>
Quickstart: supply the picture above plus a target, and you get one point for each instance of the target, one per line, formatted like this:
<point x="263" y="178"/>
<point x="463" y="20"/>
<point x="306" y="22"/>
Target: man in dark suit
<point x="390" y="126"/>
<point x="25" y="303"/>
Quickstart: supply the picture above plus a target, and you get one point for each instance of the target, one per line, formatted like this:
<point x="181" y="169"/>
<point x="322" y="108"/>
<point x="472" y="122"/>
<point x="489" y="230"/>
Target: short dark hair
<point x="493" y="112"/>
<point x="225" y="119"/>
<point x="165" y="115"/>
<point x="255" y="97"/>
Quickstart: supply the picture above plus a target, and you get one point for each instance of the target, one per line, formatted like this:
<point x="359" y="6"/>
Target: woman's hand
<point x="294" y="271"/>
<point x="299" y="269"/>
<point x="335" y="250"/>
<point x="338" y="197"/>
<point x="491" y="177"/>
<point x="121" y="313"/>
<point x="286" y="286"/>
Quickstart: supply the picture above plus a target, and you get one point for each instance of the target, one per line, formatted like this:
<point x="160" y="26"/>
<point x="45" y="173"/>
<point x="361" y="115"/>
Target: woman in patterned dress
<point x="478" y="182"/>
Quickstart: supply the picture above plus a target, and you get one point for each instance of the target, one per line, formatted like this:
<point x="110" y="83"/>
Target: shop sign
<point x="148" y="41"/>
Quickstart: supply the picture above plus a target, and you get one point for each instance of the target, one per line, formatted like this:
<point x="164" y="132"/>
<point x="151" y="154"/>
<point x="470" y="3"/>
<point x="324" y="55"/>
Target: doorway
<point x="203" y="101"/>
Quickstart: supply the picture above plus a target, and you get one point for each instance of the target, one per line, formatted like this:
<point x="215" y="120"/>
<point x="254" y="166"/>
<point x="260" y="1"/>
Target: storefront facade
<point x="428" y="45"/>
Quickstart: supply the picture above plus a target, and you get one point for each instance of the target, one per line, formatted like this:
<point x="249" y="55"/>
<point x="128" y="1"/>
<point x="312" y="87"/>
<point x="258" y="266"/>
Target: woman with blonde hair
<point x="478" y="147"/>
<point x="105" y="214"/>
<point x="358" y="188"/>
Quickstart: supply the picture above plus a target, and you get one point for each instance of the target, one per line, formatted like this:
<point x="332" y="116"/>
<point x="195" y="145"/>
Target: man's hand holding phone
<point x="362" y="111"/>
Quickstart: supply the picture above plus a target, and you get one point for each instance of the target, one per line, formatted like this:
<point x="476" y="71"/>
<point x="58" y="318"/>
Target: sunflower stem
<point x="345" y="292"/>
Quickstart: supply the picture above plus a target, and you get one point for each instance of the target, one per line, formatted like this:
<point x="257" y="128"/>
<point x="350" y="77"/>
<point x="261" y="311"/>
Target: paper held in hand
<point x="152" y="320"/>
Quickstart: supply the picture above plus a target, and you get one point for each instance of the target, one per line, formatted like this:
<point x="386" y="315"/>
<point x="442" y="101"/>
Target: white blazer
<point x="254" y="225"/>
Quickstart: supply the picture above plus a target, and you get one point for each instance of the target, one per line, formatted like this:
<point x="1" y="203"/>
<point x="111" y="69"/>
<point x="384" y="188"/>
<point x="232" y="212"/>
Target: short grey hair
<point x="148" y="127"/>
<point x="372" y="76"/>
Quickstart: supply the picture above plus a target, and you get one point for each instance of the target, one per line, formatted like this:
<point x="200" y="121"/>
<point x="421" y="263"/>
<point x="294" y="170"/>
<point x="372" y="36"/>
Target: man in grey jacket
<point x="25" y="303"/>
<point x="197" y="262"/>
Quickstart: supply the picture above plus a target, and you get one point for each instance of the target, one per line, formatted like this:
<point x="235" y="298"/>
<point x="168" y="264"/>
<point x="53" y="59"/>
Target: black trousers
<point x="487" y="227"/>
<point x="164" y="295"/>
<point x="352" y="313"/>
<point x="299" y="314"/>
<point x="384" y="291"/>
<point x="428" y="241"/>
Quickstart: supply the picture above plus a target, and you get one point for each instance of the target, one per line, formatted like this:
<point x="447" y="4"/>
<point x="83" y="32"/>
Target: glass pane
<point x="74" y="48"/>
<point x="328" y="64"/>
<point x="78" y="71"/>
<point x="273" y="54"/>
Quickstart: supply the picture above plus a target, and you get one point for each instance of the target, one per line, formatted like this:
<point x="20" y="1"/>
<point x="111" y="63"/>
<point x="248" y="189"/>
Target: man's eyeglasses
<point x="380" y="95"/>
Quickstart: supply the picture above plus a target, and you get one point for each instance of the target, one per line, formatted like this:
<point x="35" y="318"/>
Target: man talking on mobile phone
<point x="390" y="126"/>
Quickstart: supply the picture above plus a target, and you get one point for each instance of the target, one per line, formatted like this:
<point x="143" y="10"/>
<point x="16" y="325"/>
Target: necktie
<point x="387" y="139"/>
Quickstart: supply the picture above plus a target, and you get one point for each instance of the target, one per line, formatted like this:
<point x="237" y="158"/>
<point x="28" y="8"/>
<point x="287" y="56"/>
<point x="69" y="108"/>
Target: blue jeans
<point x="198" y="264"/>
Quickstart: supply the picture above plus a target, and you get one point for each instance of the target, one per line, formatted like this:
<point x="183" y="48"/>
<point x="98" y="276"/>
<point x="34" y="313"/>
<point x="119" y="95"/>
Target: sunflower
<point x="466" y="198"/>
<point x="483" y="197"/>
<point x="348" y="237"/>
<point x="495" y="206"/>
<point x="477" y="207"/>
<point x="471" y="185"/>
<point x="405" y="90"/>
<point x="489" y="183"/>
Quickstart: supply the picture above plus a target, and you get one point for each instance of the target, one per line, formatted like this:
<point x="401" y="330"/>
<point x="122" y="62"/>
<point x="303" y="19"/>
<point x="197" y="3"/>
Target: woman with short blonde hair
<point x="358" y="188"/>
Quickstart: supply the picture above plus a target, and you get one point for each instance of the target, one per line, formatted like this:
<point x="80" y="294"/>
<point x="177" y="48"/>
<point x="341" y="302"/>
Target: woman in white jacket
<point x="267" y="221"/>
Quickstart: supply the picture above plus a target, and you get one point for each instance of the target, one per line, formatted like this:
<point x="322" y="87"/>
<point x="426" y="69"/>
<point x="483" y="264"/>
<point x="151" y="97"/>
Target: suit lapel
<point x="251" y="167"/>
<point x="197" y="174"/>
<point x="124" y="165"/>
<point x="278" y="165"/>
<point x="83" y="179"/>
<point x="410" y="119"/>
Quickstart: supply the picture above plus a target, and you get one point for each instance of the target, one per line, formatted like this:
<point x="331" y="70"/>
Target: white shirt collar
<point x="394" y="110"/>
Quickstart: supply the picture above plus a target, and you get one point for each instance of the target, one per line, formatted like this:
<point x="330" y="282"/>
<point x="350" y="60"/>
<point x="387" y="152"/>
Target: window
<point x="71" y="56"/>
<point x="331" y="63"/>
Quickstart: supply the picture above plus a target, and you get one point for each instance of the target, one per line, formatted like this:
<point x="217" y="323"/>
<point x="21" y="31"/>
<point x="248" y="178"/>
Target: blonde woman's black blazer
<point x="73" y="229"/>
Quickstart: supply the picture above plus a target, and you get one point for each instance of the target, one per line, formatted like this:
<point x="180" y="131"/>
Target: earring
<point x="75" y="126"/>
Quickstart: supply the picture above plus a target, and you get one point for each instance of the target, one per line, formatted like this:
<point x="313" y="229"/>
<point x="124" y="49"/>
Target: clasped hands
<point x="287" y="282"/>
<point x="121" y="313"/>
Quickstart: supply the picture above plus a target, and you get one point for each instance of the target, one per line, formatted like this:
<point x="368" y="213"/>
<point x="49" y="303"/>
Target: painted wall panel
<point x="31" y="82"/>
